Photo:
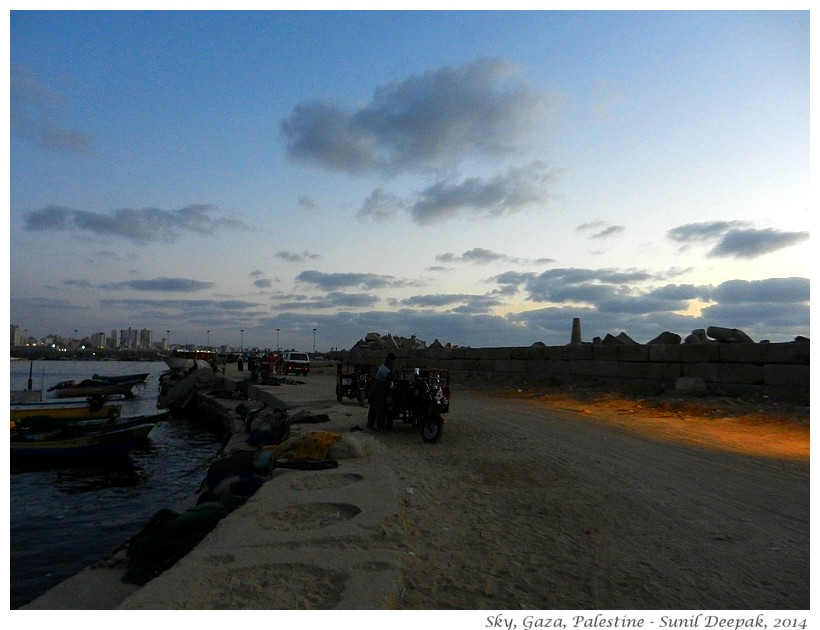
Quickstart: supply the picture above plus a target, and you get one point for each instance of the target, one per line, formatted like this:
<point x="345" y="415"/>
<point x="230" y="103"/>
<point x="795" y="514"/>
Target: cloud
<point x="751" y="243"/>
<point x="506" y="193"/>
<point x="736" y="239"/>
<point x="142" y="226"/>
<point x="307" y="203"/>
<point x="333" y="300"/>
<point x="334" y="281"/>
<point x="602" y="230"/>
<point x="698" y="232"/>
<point x="441" y="116"/>
<point x="262" y="283"/>
<point x="482" y="256"/>
<point x="380" y="206"/>
<point x="35" y="110"/>
<point x="771" y="290"/>
<point x="173" y="285"/>
<point x="296" y="257"/>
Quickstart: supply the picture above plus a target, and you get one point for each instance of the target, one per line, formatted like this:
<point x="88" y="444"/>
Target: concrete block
<point x="747" y="374"/>
<point x="787" y="375"/>
<point x="686" y="353"/>
<point x="594" y="368"/>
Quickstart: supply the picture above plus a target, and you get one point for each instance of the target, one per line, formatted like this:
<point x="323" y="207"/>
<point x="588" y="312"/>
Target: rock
<point x="728" y="335"/>
<point x="626" y="339"/>
<point x="697" y="336"/>
<point x="666" y="338"/>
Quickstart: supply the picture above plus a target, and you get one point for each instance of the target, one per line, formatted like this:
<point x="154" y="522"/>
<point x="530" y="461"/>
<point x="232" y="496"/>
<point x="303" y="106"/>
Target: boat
<point x="69" y="409"/>
<point x="90" y="387"/>
<point x="185" y="359"/>
<point x="121" y="378"/>
<point x="56" y="445"/>
<point x="75" y="427"/>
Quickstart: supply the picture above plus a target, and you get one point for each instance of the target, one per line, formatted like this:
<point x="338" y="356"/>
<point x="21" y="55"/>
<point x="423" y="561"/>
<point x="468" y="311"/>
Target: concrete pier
<point x="335" y="532"/>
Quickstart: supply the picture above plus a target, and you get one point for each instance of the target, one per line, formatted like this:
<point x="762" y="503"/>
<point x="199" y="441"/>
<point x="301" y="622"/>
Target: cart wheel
<point x="431" y="430"/>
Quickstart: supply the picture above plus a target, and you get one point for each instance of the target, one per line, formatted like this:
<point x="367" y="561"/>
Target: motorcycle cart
<point x="420" y="399"/>
<point x="353" y="381"/>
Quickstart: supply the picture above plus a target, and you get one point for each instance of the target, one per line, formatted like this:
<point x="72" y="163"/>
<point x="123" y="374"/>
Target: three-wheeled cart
<point x="353" y="381"/>
<point x="419" y="398"/>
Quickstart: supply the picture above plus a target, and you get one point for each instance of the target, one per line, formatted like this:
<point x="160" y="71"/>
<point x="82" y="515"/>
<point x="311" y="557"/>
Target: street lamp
<point x="241" y="340"/>
<point x="209" y="339"/>
<point x="168" y="338"/>
<point x="314" y="341"/>
<point x="277" y="340"/>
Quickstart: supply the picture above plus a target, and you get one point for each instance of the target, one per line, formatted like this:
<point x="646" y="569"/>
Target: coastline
<point x="411" y="538"/>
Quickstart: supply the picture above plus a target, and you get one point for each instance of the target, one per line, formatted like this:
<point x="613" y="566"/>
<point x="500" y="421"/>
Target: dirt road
<point x="524" y="506"/>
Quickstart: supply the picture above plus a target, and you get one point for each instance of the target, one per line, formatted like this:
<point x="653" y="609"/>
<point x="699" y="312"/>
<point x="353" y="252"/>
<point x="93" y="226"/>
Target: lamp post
<point x="209" y="339"/>
<point x="314" y="341"/>
<point x="168" y="338"/>
<point x="277" y="340"/>
<point x="241" y="340"/>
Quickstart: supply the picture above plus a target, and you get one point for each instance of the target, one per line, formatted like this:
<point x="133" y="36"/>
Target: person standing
<point x="377" y="415"/>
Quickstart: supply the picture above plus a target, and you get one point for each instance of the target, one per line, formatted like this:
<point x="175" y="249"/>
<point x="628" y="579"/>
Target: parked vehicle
<point x="296" y="362"/>
<point x="353" y="381"/>
<point x="421" y="400"/>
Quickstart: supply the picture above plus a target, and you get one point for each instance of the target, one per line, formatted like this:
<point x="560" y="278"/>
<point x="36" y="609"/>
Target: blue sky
<point x="480" y="178"/>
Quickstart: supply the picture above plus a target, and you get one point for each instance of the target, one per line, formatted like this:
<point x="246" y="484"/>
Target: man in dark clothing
<point x="377" y="416"/>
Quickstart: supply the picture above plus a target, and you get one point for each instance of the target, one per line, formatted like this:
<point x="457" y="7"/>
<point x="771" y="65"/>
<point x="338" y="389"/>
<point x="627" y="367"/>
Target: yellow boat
<point x="90" y="408"/>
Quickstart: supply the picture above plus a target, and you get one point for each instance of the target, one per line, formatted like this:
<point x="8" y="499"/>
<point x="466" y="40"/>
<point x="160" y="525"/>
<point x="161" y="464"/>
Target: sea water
<point x="65" y="516"/>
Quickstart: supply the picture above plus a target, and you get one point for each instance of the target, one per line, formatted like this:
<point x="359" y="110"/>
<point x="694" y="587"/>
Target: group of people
<point x="378" y="418"/>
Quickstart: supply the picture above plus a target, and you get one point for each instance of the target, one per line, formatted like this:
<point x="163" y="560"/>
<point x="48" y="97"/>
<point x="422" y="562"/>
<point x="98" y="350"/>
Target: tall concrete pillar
<point x="576" y="330"/>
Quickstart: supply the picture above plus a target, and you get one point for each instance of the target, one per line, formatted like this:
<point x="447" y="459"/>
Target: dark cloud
<point x="735" y="239"/>
<point x="751" y="243"/>
<point x="35" y="112"/>
<point x="380" y="206"/>
<point x="181" y="285"/>
<point x="335" y="281"/>
<point x="441" y="116"/>
<point x="481" y="256"/>
<point x="333" y="300"/>
<point x="771" y="290"/>
<point x="699" y="232"/>
<point x="262" y="283"/>
<point x="506" y="193"/>
<point x="146" y="225"/>
<point x="600" y="228"/>
<point x="297" y="256"/>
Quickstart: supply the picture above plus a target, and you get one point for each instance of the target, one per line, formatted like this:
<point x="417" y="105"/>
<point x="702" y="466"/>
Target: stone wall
<point x="777" y="370"/>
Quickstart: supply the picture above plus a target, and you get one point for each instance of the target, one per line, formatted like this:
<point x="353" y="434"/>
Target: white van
<point x="296" y="362"/>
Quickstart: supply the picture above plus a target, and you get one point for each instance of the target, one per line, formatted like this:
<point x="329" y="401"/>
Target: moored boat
<point x="75" y="427"/>
<point x="89" y="387"/>
<point x="121" y="378"/>
<point x="55" y="444"/>
<point x="185" y="359"/>
<point x="68" y="409"/>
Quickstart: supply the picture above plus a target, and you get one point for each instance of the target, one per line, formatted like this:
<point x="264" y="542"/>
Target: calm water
<point x="66" y="516"/>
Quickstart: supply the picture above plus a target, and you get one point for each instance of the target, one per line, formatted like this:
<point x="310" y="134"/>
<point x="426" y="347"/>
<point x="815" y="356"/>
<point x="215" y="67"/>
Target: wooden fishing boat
<point x="75" y="427"/>
<point x="89" y="387"/>
<point x="69" y="409"/>
<point x="54" y="445"/>
<point x="121" y="378"/>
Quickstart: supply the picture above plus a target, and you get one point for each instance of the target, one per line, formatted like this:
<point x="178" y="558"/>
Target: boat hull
<point x="79" y="391"/>
<point x="66" y="409"/>
<point x="106" y="443"/>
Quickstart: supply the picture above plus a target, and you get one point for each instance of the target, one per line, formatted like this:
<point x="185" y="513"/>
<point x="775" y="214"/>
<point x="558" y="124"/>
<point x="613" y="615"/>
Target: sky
<point x="480" y="178"/>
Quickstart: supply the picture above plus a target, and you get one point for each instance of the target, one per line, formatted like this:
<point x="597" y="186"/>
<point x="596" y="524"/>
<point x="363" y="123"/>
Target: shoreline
<point x="389" y="499"/>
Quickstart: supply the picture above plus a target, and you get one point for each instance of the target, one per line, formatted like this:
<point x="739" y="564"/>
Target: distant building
<point x="16" y="336"/>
